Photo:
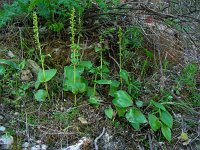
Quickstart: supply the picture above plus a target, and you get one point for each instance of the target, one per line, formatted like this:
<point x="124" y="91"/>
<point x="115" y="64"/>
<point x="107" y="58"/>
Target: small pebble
<point x="1" y="117"/>
<point x="6" y="141"/>
<point x="25" y="145"/>
<point x="83" y="120"/>
<point x="2" y="129"/>
<point x="39" y="147"/>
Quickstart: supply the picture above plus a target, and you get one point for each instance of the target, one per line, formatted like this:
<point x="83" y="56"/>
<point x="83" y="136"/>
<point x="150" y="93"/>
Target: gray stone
<point x="6" y="142"/>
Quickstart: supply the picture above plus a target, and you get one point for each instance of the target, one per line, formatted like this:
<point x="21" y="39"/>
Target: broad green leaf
<point x="124" y="75"/>
<point x="69" y="73"/>
<point x="134" y="115"/>
<point x="10" y="63"/>
<point x="2" y="70"/>
<point x="86" y="64"/>
<point x="74" y="82"/>
<point x="109" y="112"/>
<point x="120" y="111"/>
<point x="166" y="118"/>
<point x="158" y="105"/>
<point x="154" y="122"/>
<point x="77" y="87"/>
<point x="166" y="132"/>
<point x="103" y="81"/>
<point x="90" y="91"/>
<point x="40" y="95"/>
<point x="93" y="100"/>
<point x="122" y="99"/>
<point x="105" y="69"/>
<point x="136" y="126"/>
<point x="46" y="75"/>
<point x="113" y="87"/>
<point x="37" y="84"/>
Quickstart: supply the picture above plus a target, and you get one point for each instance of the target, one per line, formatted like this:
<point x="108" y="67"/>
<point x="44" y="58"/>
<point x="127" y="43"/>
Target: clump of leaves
<point x="160" y="118"/>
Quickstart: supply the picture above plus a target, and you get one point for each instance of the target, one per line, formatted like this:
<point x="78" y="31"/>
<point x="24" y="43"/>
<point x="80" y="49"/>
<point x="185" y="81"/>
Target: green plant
<point x="149" y="56"/>
<point x="73" y="81"/>
<point x="160" y="118"/>
<point x="98" y="71"/>
<point x="122" y="100"/>
<point x="10" y="72"/>
<point x="188" y="76"/>
<point x="44" y="75"/>
<point x="133" y="38"/>
<point x="67" y="116"/>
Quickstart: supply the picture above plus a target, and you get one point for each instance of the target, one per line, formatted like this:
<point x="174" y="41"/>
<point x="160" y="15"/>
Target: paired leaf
<point x="166" y="132"/>
<point x="136" y="126"/>
<point x="46" y="75"/>
<point x="120" y="111"/>
<point x="77" y="87"/>
<point x="113" y="87"/>
<point x="74" y="82"/>
<point x="124" y="75"/>
<point x="109" y="112"/>
<point x="166" y="118"/>
<point x="86" y="64"/>
<point x="154" y="122"/>
<point x="41" y="95"/>
<point x="134" y="115"/>
<point x="93" y="100"/>
<point x="122" y="99"/>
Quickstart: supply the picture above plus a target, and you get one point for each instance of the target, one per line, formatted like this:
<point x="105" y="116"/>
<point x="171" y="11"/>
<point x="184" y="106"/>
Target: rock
<point x="39" y="147"/>
<point x="83" y="120"/>
<point x="110" y="142"/>
<point x="10" y="54"/>
<point x="6" y="142"/>
<point x="25" y="145"/>
<point x="83" y="143"/>
<point x="26" y="75"/>
<point x="2" y="129"/>
<point x="33" y="66"/>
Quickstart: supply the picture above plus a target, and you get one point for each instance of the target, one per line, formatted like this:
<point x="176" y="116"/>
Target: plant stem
<point x="120" y="52"/>
<point x="73" y="48"/>
<point x="94" y="89"/>
<point x="101" y="53"/>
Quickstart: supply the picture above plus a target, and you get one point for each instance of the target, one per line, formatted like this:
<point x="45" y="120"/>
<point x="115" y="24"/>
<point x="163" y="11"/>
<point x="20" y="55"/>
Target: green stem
<point x="120" y="52"/>
<point x="101" y="53"/>
<point x="75" y="99"/>
<point x="94" y="89"/>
